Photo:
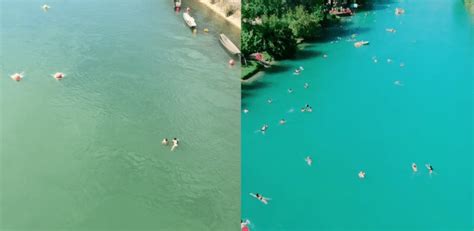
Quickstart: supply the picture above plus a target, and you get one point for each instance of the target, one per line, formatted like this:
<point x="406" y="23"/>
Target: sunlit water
<point x="84" y="153"/>
<point x="362" y="120"/>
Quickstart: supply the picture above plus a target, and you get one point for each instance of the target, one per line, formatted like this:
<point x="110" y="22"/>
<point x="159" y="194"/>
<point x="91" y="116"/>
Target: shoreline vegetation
<point x="470" y="6"/>
<point x="230" y="10"/>
<point x="278" y="29"/>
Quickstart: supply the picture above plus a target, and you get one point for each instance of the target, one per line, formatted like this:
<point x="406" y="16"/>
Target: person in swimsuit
<point x="430" y="168"/>
<point x="264" y="128"/>
<point x="165" y="141"/>
<point x="175" y="144"/>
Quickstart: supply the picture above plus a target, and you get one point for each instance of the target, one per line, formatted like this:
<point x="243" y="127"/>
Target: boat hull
<point x="229" y="45"/>
<point x="189" y="21"/>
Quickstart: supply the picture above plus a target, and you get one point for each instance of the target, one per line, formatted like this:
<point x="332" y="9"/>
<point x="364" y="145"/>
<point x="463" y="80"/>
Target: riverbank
<point x="222" y="10"/>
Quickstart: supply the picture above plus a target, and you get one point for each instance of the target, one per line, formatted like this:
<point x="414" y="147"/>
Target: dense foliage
<point x="275" y="25"/>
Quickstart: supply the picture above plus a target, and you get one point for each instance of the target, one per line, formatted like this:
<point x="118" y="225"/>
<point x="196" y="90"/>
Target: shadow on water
<point x="248" y="88"/>
<point x="306" y="53"/>
<point x="278" y="68"/>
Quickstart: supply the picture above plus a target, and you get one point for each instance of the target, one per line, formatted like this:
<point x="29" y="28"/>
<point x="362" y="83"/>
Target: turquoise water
<point x="84" y="153"/>
<point x="361" y="120"/>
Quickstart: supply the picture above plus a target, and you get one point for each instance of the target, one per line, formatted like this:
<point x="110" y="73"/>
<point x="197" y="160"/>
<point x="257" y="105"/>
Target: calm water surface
<point x="84" y="153"/>
<point x="361" y="120"/>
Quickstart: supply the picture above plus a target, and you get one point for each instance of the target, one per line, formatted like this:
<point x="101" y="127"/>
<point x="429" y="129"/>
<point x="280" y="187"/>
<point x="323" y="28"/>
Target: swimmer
<point x="282" y="121"/>
<point x="361" y="174"/>
<point x="297" y="72"/>
<point x="308" y="160"/>
<point x="175" y="144"/>
<point x="301" y="68"/>
<point x="45" y="7"/>
<point x="309" y="109"/>
<point x="165" y="141"/>
<point x="188" y="10"/>
<point x="264" y="128"/>
<point x="17" y="76"/>
<point x="375" y="60"/>
<point x="246" y="110"/>
<point x="414" y="168"/>
<point x="430" y="168"/>
<point x="398" y="83"/>
<point x="269" y="100"/>
<point x="244" y="225"/>
<point x="306" y="85"/>
<point x="59" y="75"/>
<point x="391" y="30"/>
<point x="389" y="60"/>
<point x="260" y="198"/>
<point x="290" y="90"/>
<point x="325" y="56"/>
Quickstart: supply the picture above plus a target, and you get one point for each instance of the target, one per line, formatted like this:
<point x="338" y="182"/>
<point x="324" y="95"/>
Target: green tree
<point x="305" y="24"/>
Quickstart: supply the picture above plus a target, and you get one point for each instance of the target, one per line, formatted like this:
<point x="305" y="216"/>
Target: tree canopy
<point x="275" y="25"/>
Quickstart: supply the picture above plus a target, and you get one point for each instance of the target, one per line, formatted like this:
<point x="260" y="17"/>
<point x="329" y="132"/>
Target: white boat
<point x="189" y="20"/>
<point x="229" y="45"/>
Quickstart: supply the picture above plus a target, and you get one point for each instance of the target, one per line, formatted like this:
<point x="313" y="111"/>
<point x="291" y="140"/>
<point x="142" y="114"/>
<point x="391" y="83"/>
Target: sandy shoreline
<point x="234" y="19"/>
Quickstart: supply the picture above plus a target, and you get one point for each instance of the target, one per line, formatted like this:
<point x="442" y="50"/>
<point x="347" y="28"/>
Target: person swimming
<point x="297" y="72"/>
<point x="59" y="75"/>
<point x="165" y="141"/>
<point x="398" y="83"/>
<point x="45" y="7"/>
<point x="244" y="225"/>
<point x="389" y="60"/>
<point x="301" y="68"/>
<point x="269" y="100"/>
<point x="430" y="168"/>
<point x="325" y="56"/>
<point x="290" y="90"/>
<point x="414" y="167"/>
<point x="308" y="160"/>
<point x="17" y="76"/>
<point x="282" y="121"/>
<point x="361" y="174"/>
<point x="264" y="128"/>
<point x="306" y="85"/>
<point x="306" y="108"/>
<point x="260" y="198"/>
<point x="175" y="144"/>
<point x="391" y="30"/>
<point x="246" y="110"/>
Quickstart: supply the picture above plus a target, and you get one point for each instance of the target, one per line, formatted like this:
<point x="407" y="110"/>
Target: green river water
<point x="84" y="153"/>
